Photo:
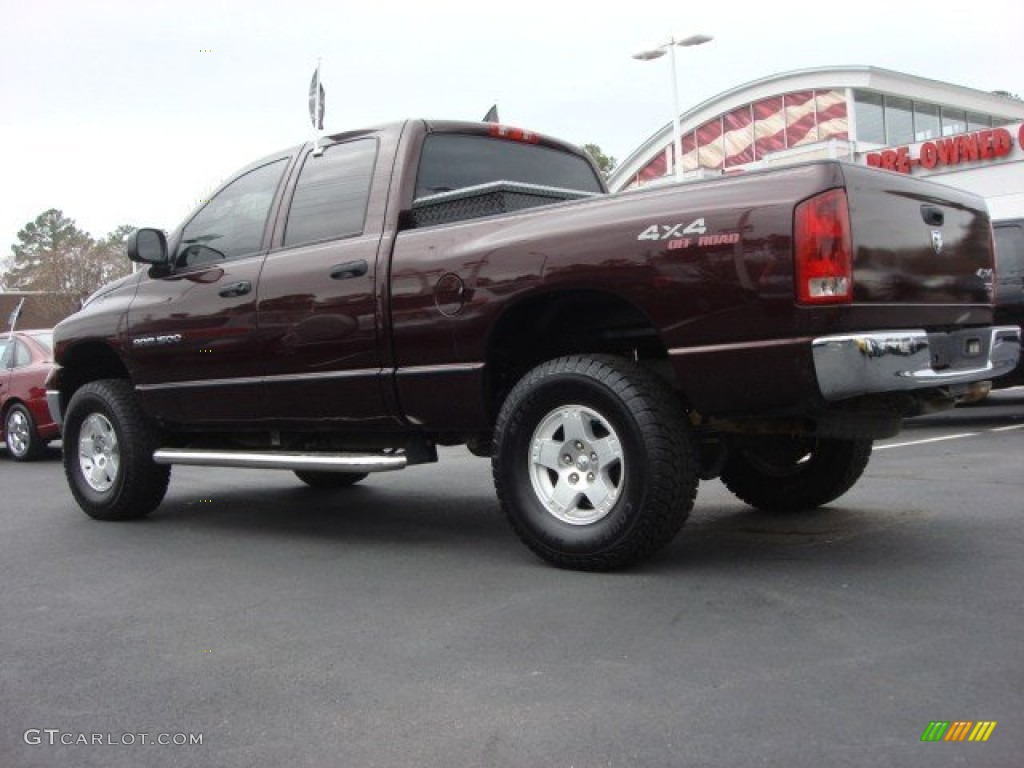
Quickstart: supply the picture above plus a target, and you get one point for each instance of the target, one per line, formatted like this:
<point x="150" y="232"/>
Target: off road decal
<point x="675" y="235"/>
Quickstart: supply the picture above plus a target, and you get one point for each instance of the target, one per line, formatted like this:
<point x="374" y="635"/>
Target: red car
<point x="25" y="362"/>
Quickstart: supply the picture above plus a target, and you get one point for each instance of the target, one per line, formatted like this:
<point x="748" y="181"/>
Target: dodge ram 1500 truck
<point x="346" y="308"/>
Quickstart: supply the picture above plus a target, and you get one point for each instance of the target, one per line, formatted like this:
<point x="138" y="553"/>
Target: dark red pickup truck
<point x="344" y="309"/>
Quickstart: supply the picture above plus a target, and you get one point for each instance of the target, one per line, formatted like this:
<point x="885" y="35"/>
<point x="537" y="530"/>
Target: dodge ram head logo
<point x="937" y="241"/>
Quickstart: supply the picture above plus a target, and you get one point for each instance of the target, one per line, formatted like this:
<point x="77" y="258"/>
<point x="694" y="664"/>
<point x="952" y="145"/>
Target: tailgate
<point x="917" y="242"/>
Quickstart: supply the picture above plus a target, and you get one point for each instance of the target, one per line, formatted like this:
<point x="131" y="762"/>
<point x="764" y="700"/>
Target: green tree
<point x="54" y="257"/>
<point x="604" y="162"/>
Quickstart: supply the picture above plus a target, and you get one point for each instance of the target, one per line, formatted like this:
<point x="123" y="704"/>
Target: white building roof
<point x="820" y="78"/>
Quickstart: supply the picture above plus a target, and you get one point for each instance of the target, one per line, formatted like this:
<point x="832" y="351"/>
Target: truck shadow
<point x="1000" y="409"/>
<point x="361" y="514"/>
<point x="731" y="536"/>
<point x="469" y="524"/>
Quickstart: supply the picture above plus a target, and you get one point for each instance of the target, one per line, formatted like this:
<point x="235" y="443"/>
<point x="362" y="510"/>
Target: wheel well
<point x="544" y="327"/>
<point x="87" y="362"/>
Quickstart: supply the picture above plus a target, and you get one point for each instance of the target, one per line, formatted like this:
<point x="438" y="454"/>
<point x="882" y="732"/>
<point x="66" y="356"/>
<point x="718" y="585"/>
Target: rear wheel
<point x="594" y="462"/>
<point x="23" y="441"/>
<point x="108" y="453"/>
<point x="329" y="480"/>
<point x="779" y="474"/>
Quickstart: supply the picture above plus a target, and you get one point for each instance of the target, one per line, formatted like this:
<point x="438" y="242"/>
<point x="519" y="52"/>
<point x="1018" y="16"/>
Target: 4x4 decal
<point x="696" y="228"/>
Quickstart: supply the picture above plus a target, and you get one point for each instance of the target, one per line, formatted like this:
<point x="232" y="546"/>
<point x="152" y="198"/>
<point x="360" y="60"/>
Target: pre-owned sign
<point x="954" y="150"/>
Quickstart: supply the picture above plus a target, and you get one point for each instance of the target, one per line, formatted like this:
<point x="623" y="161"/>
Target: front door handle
<point x="349" y="270"/>
<point x="240" y="288"/>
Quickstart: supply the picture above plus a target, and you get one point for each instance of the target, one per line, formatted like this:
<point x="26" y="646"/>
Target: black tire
<point x="791" y="474"/>
<point x="329" y="480"/>
<point x="644" y="496"/>
<point x="23" y="440"/>
<point x="108" y="453"/>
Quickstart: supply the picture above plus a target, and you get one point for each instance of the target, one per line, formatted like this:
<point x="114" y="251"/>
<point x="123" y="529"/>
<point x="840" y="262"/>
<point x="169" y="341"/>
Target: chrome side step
<point x="309" y="462"/>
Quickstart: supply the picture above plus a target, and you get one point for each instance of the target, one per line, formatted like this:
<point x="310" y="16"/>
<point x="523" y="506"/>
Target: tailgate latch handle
<point x="932" y="216"/>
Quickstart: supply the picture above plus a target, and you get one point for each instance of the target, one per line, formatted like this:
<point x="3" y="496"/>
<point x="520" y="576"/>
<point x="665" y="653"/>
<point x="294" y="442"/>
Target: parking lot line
<point x="928" y="440"/>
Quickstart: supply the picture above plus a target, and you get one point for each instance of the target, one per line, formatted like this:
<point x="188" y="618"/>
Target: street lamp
<point x="657" y="53"/>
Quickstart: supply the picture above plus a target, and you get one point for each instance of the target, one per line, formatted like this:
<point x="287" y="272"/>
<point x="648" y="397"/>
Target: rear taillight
<point x="824" y="254"/>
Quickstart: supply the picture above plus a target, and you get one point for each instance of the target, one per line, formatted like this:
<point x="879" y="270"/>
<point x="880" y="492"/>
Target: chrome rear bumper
<point x="893" y="361"/>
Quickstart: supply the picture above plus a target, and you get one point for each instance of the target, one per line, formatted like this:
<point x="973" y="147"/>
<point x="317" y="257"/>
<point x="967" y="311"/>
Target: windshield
<point x="454" y="161"/>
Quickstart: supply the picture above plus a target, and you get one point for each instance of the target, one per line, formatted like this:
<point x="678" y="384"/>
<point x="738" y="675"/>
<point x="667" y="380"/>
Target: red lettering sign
<point x="929" y="156"/>
<point x="1002" y="142"/>
<point x="966" y="148"/>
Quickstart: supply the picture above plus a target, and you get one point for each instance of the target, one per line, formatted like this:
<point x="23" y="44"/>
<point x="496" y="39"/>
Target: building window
<point x="769" y="126"/>
<point x="710" y="152"/>
<point x="899" y="120"/>
<point x="801" y="119"/>
<point x="926" y="122"/>
<point x="739" y="137"/>
<point x="953" y="121"/>
<point x="870" y="117"/>
<point x="690" y="151"/>
<point x="833" y="120"/>
<point x="977" y="122"/>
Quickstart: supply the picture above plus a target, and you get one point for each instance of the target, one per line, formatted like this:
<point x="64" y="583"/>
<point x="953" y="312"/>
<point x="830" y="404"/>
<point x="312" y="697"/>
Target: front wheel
<point x="108" y="453"/>
<point x="778" y="474"/>
<point x="23" y="440"/>
<point x="594" y="462"/>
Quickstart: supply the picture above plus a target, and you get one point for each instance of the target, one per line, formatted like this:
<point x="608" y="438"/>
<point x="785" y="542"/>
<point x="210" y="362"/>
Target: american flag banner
<point x="12" y="320"/>
<point x="750" y="132"/>
<point x="316" y="100"/>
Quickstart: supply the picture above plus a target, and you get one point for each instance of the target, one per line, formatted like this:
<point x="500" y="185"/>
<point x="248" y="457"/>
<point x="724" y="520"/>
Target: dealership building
<point x="951" y="134"/>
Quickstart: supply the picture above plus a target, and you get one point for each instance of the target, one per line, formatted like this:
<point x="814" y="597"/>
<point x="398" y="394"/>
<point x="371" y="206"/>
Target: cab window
<point x="454" y="161"/>
<point x="331" y="194"/>
<point x="231" y="225"/>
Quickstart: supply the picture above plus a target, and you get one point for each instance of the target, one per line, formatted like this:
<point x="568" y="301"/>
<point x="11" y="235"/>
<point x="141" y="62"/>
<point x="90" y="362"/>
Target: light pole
<point x="657" y="53"/>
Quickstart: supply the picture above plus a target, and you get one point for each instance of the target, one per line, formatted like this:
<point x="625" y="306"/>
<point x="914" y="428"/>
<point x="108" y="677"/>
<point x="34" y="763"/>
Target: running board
<point x="307" y="462"/>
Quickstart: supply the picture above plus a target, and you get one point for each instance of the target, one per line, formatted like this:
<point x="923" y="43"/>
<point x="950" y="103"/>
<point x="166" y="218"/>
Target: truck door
<point x="192" y="336"/>
<point x="317" y="303"/>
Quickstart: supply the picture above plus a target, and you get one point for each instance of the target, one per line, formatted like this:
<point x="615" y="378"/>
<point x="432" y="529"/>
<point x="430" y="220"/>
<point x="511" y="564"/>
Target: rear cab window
<point x="465" y="176"/>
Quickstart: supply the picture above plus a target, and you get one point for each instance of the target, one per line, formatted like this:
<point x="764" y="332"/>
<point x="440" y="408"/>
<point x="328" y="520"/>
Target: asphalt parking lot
<point x="400" y="623"/>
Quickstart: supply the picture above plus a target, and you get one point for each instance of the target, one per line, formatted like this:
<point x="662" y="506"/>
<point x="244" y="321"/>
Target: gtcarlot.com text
<point x="55" y="736"/>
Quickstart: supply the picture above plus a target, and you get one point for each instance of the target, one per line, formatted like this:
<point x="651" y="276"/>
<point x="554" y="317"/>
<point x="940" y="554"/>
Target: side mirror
<point x="148" y="246"/>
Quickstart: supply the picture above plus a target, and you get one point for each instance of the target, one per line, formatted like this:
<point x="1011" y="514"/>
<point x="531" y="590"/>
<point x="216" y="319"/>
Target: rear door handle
<point x="349" y="270"/>
<point x="240" y="288"/>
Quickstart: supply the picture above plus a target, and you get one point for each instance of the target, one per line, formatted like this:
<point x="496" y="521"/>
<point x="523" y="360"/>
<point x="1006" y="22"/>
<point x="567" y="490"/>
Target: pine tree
<point x="54" y="257"/>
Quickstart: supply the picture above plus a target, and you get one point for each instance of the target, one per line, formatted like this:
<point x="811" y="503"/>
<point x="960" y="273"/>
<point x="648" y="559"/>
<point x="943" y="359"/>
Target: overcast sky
<point x="129" y="112"/>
